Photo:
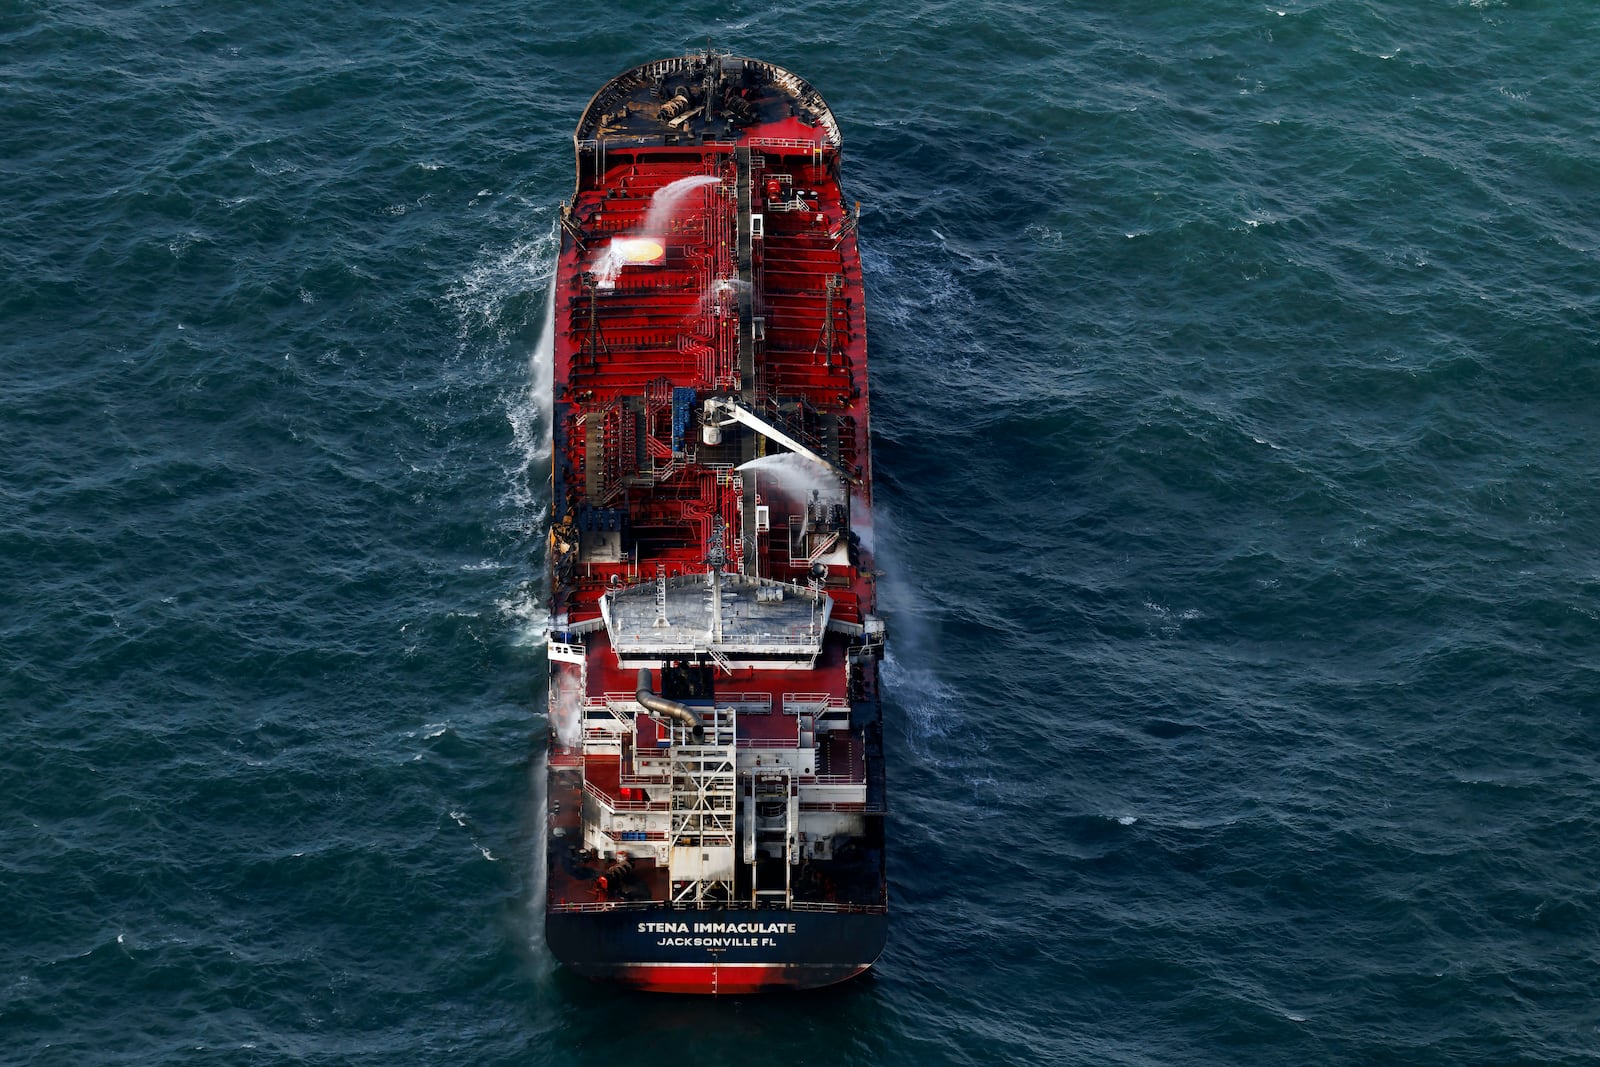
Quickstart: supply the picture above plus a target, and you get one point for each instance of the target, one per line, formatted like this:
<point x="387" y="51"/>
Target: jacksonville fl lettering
<point x="716" y="934"/>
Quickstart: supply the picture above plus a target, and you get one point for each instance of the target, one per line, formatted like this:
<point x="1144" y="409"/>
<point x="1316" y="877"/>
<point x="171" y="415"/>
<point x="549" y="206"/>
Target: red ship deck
<point x="715" y="738"/>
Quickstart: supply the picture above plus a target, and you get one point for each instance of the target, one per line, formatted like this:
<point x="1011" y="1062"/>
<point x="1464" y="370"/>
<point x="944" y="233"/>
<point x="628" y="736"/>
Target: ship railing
<point x="813" y="703"/>
<point x="663" y="67"/>
<point x="599" y="741"/>
<point x="595" y="906"/>
<point x="594" y="704"/>
<point x="605" y="905"/>
<point x="638" y="781"/>
<point x="799" y="634"/>
<point x="623" y="837"/>
<point x="788" y="142"/>
<point x="618" y="804"/>
<point x="643" y="642"/>
<point x="624" y="706"/>
<point x="769" y="742"/>
<point x="858" y="807"/>
<point x="746" y="703"/>
<point x="566" y="652"/>
<point x="628" y="703"/>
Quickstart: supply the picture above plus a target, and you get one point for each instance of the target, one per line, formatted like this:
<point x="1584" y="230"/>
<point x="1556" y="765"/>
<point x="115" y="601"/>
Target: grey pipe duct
<point x="660" y="705"/>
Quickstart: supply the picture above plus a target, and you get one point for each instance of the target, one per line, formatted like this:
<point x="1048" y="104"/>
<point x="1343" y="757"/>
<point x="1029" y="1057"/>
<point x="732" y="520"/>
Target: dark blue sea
<point x="1236" y="383"/>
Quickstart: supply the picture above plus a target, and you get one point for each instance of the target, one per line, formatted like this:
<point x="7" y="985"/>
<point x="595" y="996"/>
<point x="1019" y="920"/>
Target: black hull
<point x="667" y="950"/>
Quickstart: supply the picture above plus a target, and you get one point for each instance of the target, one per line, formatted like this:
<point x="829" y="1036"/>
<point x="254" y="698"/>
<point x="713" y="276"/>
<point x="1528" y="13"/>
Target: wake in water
<point x="481" y="301"/>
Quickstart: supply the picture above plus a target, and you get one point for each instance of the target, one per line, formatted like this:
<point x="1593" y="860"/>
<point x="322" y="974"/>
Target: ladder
<point x="701" y="829"/>
<point x="771" y="819"/>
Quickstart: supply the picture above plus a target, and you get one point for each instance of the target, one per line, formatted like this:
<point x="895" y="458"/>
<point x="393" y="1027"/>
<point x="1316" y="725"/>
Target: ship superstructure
<point x="716" y="781"/>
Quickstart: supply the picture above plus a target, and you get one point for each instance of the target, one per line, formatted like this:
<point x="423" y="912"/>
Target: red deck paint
<point x="710" y="549"/>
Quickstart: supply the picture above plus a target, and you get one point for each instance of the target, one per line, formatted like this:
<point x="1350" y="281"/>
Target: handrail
<point x="764" y="699"/>
<point x="636" y="780"/>
<point x="634" y="836"/>
<point x="787" y="142"/>
<point x="617" y="804"/>
<point x="605" y="905"/>
<point x="737" y="905"/>
<point x="819" y="905"/>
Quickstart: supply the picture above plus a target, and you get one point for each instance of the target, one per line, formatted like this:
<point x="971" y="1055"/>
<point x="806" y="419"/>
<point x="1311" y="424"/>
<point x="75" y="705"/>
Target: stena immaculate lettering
<point x="759" y="928"/>
<point x="717" y="934"/>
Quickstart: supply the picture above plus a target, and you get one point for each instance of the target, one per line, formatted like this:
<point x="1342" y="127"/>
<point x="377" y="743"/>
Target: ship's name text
<point x="716" y="934"/>
<point x="716" y="928"/>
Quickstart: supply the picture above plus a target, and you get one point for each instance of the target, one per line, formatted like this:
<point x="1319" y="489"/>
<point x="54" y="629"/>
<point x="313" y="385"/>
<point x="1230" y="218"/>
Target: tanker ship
<point x="716" y="781"/>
